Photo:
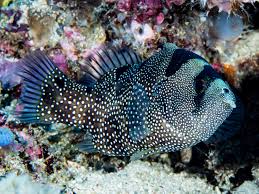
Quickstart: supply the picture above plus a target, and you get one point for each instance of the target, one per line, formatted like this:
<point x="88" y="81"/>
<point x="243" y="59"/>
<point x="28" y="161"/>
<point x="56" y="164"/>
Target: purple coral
<point x="124" y="5"/>
<point x="7" y="74"/>
<point x="61" y="62"/>
<point x="146" y="10"/>
<point x="14" y="17"/>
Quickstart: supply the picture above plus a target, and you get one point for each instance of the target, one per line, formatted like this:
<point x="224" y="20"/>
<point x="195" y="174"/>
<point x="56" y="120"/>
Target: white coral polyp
<point x="141" y="32"/>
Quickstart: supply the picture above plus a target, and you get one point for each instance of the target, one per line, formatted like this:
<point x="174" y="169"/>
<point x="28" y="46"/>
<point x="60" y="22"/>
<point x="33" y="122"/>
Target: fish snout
<point x="229" y="97"/>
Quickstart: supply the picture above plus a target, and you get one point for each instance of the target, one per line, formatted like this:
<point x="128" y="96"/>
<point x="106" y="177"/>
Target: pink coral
<point x="160" y="18"/>
<point x="30" y="146"/>
<point x="124" y="5"/>
<point x="110" y="1"/>
<point x="73" y="34"/>
<point x="34" y="152"/>
<point x="149" y="7"/>
<point x="69" y="49"/>
<point x="217" y="67"/>
<point x="141" y="9"/>
<point x="6" y="48"/>
<point x="61" y="62"/>
<point x="225" y="5"/>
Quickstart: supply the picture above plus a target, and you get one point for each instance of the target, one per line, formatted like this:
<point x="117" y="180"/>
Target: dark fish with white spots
<point x="171" y="101"/>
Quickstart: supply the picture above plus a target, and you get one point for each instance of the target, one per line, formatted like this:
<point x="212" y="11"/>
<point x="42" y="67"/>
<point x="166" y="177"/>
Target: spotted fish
<point x="127" y="107"/>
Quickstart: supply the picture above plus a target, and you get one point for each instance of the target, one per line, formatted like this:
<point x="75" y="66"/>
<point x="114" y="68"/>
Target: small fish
<point x="6" y="136"/>
<point x="171" y="101"/>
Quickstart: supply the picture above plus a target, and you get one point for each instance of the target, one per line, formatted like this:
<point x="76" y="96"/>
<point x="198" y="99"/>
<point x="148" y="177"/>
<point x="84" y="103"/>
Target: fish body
<point x="171" y="101"/>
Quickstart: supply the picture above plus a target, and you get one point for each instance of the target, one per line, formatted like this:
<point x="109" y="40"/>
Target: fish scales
<point x="171" y="101"/>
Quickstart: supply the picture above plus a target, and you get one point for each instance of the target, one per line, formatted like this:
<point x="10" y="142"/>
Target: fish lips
<point x="230" y="102"/>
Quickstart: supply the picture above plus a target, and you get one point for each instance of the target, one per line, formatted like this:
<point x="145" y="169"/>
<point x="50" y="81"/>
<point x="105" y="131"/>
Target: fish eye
<point x="225" y="90"/>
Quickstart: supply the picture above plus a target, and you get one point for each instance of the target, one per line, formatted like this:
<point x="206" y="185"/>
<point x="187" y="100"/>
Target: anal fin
<point x="87" y="144"/>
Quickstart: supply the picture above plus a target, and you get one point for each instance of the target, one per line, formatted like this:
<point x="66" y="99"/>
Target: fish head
<point x="215" y="108"/>
<point x="222" y="94"/>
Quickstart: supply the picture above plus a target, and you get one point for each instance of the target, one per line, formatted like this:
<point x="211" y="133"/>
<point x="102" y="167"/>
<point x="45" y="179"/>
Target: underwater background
<point x="44" y="158"/>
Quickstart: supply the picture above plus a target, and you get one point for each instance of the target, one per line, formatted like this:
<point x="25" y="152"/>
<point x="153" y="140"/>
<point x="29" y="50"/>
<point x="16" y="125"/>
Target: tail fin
<point x="43" y="84"/>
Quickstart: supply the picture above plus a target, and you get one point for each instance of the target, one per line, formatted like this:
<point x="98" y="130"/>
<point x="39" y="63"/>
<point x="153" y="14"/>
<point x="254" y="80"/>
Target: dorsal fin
<point x="103" y="60"/>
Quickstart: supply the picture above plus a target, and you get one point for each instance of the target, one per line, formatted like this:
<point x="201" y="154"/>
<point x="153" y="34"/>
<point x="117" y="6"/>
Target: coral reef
<point x="42" y="25"/>
<point x="21" y="184"/>
<point x="224" y="32"/>
<point x="6" y="137"/>
<point x="7" y="73"/>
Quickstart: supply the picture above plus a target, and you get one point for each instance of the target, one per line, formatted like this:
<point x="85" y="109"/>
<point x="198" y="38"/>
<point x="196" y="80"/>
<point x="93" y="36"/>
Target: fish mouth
<point x="231" y="103"/>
